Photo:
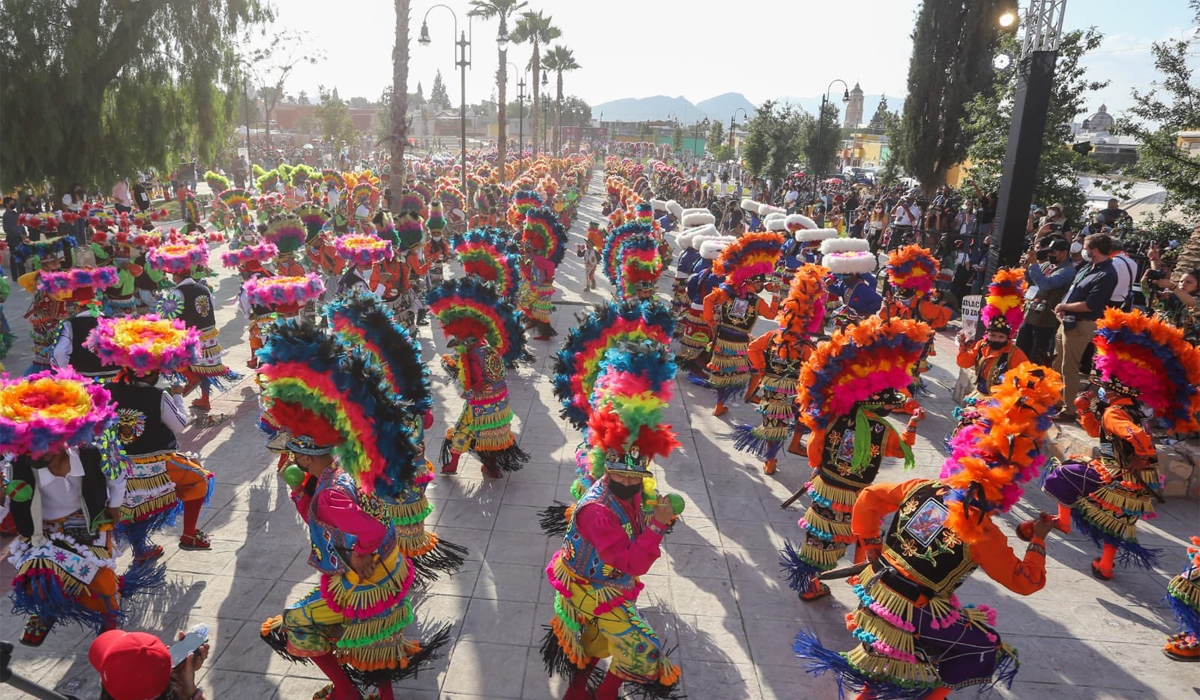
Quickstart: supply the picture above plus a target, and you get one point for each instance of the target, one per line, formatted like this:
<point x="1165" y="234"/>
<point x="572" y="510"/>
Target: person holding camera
<point x="1083" y="305"/>
<point x="1049" y="272"/>
<point x="1174" y="303"/>
<point x="138" y="666"/>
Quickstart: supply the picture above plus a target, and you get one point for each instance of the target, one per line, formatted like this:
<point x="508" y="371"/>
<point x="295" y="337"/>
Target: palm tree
<point x="398" y="138"/>
<point x="559" y="60"/>
<point x="503" y="9"/>
<point x="535" y="28"/>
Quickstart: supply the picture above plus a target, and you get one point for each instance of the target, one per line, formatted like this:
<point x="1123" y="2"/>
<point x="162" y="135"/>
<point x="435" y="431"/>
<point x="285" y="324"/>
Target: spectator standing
<point x="1112" y="214"/>
<point x="122" y="197"/>
<point x="1126" y="268"/>
<point x="1050" y="273"/>
<point x="14" y="236"/>
<point x="1084" y="304"/>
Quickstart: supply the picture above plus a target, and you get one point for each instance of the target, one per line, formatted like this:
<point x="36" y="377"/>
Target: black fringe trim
<point x="430" y="651"/>
<point x="543" y="329"/>
<point x="554" y="658"/>
<point x="444" y="558"/>
<point x="508" y="460"/>
<point x="445" y="456"/>
<point x="651" y="691"/>
<point x="554" y="520"/>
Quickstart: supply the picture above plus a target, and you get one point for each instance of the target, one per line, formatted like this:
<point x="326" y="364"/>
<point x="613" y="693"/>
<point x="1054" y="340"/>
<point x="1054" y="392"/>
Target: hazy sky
<point x="637" y="48"/>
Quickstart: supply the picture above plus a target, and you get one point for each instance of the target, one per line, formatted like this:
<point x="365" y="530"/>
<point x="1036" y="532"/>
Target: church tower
<point x="854" y="108"/>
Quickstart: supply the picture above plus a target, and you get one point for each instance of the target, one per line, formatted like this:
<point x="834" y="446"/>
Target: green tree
<point x="502" y="10"/>
<point x="438" y="95"/>
<point x="821" y="153"/>
<point x="110" y="88"/>
<point x="271" y="65"/>
<point x="989" y="115"/>
<point x="954" y="42"/>
<point x="576" y="112"/>
<point x="774" y="140"/>
<point x="558" y="60"/>
<point x="677" y="138"/>
<point x="334" y="117"/>
<point x="716" y="139"/>
<point x="644" y="131"/>
<point x="536" y="29"/>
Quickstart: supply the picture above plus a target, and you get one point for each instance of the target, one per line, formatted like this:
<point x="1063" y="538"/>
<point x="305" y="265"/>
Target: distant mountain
<point x="661" y="107"/>
<point x="637" y="109"/>
<point x="723" y="107"/>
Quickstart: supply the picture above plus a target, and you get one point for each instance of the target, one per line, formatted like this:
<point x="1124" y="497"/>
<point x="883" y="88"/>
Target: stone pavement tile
<point x="467" y="514"/>
<point x="696" y="560"/>
<point x="710" y="597"/>
<point x="536" y="473"/>
<point x="462" y="583"/>
<point x="498" y="622"/>
<point x="54" y="668"/>
<point x="1169" y="679"/>
<point x="513" y="518"/>
<point x="746" y="534"/>
<point x="234" y="525"/>
<point x="264" y="558"/>
<point x="789" y="681"/>
<point x="687" y="531"/>
<point x="234" y="684"/>
<point x="224" y="596"/>
<point x="300" y="569"/>
<point x="1068" y="661"/>
<point x="529" y="494"/>
<point x="538" y="685"/>
<point x="476" y="541"/>
<point x="771" y="640"/>
<point x="211" y="562"/>
<point x="246" y="651"/>
<point x="752" y="563"/>
<point x="281" y="594"/>
<point x="703" y="638"/>
<point x="719" y="681"/>
<point x="510" y="582"/>
<point x="496" y="669"/>
<point x="518" y="548"/>
<point x="468" y="484"/>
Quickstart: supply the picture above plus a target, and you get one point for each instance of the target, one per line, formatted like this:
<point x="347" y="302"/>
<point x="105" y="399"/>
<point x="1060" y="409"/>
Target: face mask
<point x="625" y="492"/>
<point x="996" y="345"/>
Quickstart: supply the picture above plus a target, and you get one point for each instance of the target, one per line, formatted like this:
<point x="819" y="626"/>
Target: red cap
<point x="132" y="665"/>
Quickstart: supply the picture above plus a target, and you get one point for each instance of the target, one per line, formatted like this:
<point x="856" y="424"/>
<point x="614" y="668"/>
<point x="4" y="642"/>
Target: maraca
<point x="293" y="476"/>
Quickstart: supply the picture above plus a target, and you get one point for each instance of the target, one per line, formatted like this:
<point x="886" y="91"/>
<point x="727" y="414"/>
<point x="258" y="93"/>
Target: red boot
<point x="578" y="690"/>
<point x="609" y="687"/>
<point x="451" y="467"/>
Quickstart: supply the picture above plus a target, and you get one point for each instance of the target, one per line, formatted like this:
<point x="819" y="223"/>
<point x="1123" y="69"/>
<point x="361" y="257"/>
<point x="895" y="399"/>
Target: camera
<point x="1043" y="254"/>
<point x="1155" y="275"/>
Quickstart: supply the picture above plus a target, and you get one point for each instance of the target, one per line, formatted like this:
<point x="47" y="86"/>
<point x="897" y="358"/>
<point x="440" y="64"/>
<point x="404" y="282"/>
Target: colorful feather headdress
<point x="80" y="283"/>
<point x="751" y="255"/>
<point x="313" y="388"/>
<point x="1004" y="305"/>
<point x="144" y="344"/>
<point x="640" y="266"/>
<point x="363" y="250"/>
<point x="51" y="411"/>
<point x="913" y="268"/>
<point x="545" y="234"/>
<point x="45" y="248"/>
<point x="260" y="253"/>
<point x="579" y="362"/>
<point x="1149" y="358"/>
<point x="363" y="323"/>
<point x="482" y="253"/>
<point x="856" y="364"/>
<point x="287" y="233"/>
<point x="1001" y="450"/>
<point x="436" y="222"/>
<point x="313" y="217"/>
<point x="471" y="308"/>
<point x="522" y="202"/>
<point x="409" y="221"/>
<point x="850" y="263"/>
<point x="178" y="258"/>
<point x="233" y="198"/>
<point x="626" y="429"/>
<point x="284" y="294"/>
<point x="802" y="312"/>
<point x="610" y="257"/>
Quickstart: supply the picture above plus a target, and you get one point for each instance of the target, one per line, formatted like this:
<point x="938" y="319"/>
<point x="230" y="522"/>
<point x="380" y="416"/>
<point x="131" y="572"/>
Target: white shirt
<point x="173" y="412"/>
<point x="1125" y="272"/>
<point x="63" y="495"/>
<point x="906" y="216"/>
<point x="70" y="203"/>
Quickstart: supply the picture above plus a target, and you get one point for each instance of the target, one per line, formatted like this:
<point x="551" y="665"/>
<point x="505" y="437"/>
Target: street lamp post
<point x="545" y="110"/>
<point x="821" y="127"/>
<point x="521" y="100"/>
<point x="462" y="61"/>
<point x="733" y="123"/>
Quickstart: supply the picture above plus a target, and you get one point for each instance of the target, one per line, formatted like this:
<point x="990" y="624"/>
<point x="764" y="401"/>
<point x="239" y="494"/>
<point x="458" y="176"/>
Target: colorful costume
<point x="632" y="263"/>
<point x="776" y="357"/>
<point x="915" y="638"/>
<point x="546" y="242"/>
<point x="695" y="335"/>
<point x="1145" y="367"/>
<point x="612" y="539"/>
<point x="1003" y="312"/>
<point x="1183" y="595"/>
<point x="79" y="287"/>
<point x="847" y="387"/>
<point x="249" y="260"/>
<point x="45" y="311"/>
<point x="732" y="309"/>
<point x="488" y="334"/>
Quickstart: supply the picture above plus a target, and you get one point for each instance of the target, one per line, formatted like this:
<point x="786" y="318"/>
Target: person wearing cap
<point x="1082" y="306"/>
<point x="1049" y="273"/>
<point x="137" y="666"/>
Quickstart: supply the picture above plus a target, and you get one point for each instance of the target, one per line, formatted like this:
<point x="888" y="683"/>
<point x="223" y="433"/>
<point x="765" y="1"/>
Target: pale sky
<point x="637" y="48"/>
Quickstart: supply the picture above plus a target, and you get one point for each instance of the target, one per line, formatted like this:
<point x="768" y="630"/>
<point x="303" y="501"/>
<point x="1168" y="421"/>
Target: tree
<point x="108" y="89"/>
<point x="716" y="138"/>
<point x="821" y="153"/>
<point x="397" y="138"/>
<point x="272" y="64"/>
<point x="418" y="97"/>
<point x="536" y="29"/>
<point x="334" y="117"/>
<point x="954" y="42"/>
<point x="989" y="115"/>
<point x="360" y="103"/>
<point x="438" y="95"/>
<point x="302" y="98"/>
<point x="559" y="60"/>
<point x="501" y="9"/>
<point x="1156" y="119"/>
<point x="677" y="138"/>
<point x="576" y="112"/>
<point x="644" y="130"/>
<point x="774" y="140"/>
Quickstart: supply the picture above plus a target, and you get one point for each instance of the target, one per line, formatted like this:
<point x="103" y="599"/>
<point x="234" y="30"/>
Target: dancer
<point x="847" y="389"/>
<point x="915" y="639"/>
<point x="732" y="309"/>
<point x="545" y="244"/>
<point x="161" y="478"/>
<point x="776" y="357"/>
<point x="695" y="338"/>
<point x="1145" y="368"/>
<point x="486" y="334"/>
<point x="361" y="254"/>
<point x="613" y="538"/>
<point x="249" y="261"/>
<point x="327" y="409"/>
<point x="79" y="287"/>
<point x="1183" y="595"/>
<point x="46" y="313"/>
<point x="1002" y="314"/>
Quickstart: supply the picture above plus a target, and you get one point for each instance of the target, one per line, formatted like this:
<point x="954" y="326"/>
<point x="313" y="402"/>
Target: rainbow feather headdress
<point x="363" y="250"/>
<point x="522" y="202"/>
<point x="640" y="266"/>
<point x="1004" y="305"/>
<point x="545" y="234"/>
<point x="610" y="257"/>
<point x="626" y="429"/>
<point x="802" y="312"/>
<point x="859" y="363"/>
<point x="178" y="258"/>
<point x="45" y="248"/>
<point x="313" y="217"/>
<point x="69" y="283"/>
<point x="409" y="221"/>
<point x="321" y="395"/>
<point x="51" y="411"/>
<point x="471" y="308"/>
<point x="1143" y="356"/>
<point x="144" y="344"/>
<point x="280" y="293"/>
<point x="913" y="268"/>
<point x="1002" y="449"/>
<point x="578" y="364"/>
<point x="260" y="253"/>
<point x="287" y="233"/>
<point x="751" y="255"/>
<point x="482" y="253"/>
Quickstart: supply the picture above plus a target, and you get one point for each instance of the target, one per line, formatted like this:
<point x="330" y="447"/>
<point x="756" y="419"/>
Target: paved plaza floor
<point x="715" y="595"/>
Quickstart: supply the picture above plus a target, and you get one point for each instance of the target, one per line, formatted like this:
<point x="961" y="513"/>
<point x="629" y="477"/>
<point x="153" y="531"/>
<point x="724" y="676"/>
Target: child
<point x="591" y="259"/>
